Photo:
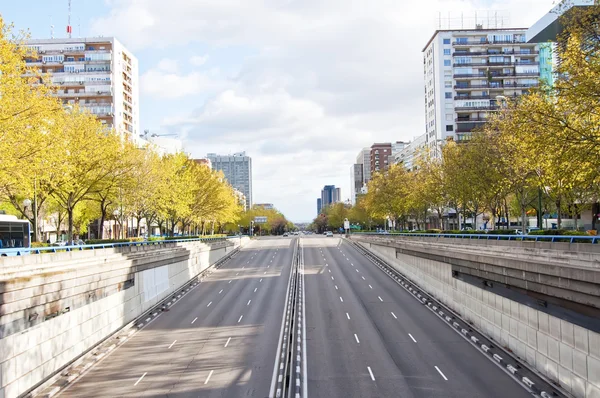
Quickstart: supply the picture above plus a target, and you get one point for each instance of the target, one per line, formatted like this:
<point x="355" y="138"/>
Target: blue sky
<point x="300" y="85"/>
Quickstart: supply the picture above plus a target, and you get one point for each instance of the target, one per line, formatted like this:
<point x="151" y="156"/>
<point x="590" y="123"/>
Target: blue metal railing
<point x="56" y="249"/>
<point x="530" y="238"/>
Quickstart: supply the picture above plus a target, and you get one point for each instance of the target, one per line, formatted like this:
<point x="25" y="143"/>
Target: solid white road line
<point x="441" y="374"/>
<point x="413" y="339"/>
<point x="228" y="340"/>
<point x="341" y="299"/>
<point x="208" y="378"/>
<point x="380" y="299"/>
<point x="195" y="319"/>
<point x="394" y="315"/>
<point x="371" y="373"/>
<point x="239" y="320"/>
<point x="249" y="301"/>
<point x="209" y="304"/>
<point x="348" y="316"/>
<point x="371" y="286"/>
<point x="140" y="379"/>
<point x="356" y="337"/>
<point x="221" y="291"/>
<point x="172" y="344"/>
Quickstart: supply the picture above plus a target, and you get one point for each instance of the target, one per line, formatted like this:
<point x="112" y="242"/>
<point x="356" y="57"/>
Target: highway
<point x="363" y="336"/>
<point x="368" y="337"/>
<point x="220" y="340"/>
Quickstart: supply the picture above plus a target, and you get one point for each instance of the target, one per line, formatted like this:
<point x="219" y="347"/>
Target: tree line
<point x="61" y="162"/>
<point x="540" y="153"/>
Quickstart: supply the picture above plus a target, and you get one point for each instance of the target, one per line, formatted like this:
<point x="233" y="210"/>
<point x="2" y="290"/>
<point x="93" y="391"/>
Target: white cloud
<point x="326" y="79"/>
<point x="165" y="83"/>
<point x="168" y="65"/>
<point x="199" y="60"/>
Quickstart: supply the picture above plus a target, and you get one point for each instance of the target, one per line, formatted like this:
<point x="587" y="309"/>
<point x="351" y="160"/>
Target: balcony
<point x="475" y="119"/>
<point x="470" y="76"/>
<point x="461" y="129"/>
<point x="462" y="53"/>
<point x="476" y="108"/>
<point x="487" y="42"/>
<point x="522" y="74"/>
<point x="86" y="94"/>
<point x="463" y="97"/>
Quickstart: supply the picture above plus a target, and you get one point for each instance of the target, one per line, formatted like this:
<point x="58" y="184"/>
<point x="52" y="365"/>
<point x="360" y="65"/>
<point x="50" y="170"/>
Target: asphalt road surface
<point x="220" y="340"/>
<point x="367" y="337"/>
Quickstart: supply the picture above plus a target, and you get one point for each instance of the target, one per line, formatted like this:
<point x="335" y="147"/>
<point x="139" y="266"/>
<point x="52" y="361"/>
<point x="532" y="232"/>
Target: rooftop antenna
<point x="69" y="28"/>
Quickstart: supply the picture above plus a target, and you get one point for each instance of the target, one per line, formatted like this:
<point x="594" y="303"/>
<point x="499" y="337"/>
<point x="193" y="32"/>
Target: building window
<point x="446" y="41"/>
<point x="446" y="51"/>
<point x="447" y="62"/>
<point x="449" y="127"/>
<point x="448" y="95"/>
<point x="448" y="84"/>
<point x="461" y="40"/>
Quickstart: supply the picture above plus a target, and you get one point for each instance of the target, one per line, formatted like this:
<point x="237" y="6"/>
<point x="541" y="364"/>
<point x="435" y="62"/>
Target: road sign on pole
<point x="260" y="220"/>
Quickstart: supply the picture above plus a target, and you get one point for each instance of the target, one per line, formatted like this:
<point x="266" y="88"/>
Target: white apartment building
<point x="409" y="153"/>
<point x="465" y="71"/>
<point x="98" y="73"/>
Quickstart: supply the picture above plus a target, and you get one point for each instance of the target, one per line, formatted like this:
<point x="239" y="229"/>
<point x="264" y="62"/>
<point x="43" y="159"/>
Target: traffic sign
<point x="260" y="220"/>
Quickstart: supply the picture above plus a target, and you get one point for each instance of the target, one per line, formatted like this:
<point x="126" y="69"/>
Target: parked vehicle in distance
<point x="329" y="234"/>
<point x="285" y="234"/>
<point x="527" y="231"/>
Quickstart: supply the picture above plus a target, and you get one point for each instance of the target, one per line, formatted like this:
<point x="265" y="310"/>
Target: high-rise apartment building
<point x="319" y="205"/>
<point x="237" y="169"/>
<point x="364" y="158"/>
<point x="466" y="71"/>
<point x="98" y="73"/>
<point x="379" y="156"/>
<point x="356" y="182"/>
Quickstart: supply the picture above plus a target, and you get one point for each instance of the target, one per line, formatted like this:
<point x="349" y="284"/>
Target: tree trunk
<point x="101" y="225"/>
<point x="559" y="216"/>
<point x="70" y="233"/>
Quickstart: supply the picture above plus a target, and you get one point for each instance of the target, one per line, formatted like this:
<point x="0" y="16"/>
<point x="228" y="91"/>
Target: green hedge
<point x="101" y="241"/>
<point x="554" y="232"/>
<point x="39" y="244"/>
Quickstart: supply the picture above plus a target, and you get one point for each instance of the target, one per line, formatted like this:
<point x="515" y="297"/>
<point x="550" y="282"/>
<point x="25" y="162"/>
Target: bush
<point x="39" y="244"/>
<point x="502" y="232"/>
<point x="101" y="241"/>
<point x="554" y="232"/>
<point x="433" y="231"/>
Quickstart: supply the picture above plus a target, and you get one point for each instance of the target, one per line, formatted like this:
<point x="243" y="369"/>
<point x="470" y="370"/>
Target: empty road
<point x="219" y="340"/>
<point x="365" y="336"/>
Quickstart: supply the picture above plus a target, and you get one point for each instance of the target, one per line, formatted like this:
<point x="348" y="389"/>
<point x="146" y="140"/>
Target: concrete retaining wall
<point x="55" y="307"/>
<point x="563" y="352"/>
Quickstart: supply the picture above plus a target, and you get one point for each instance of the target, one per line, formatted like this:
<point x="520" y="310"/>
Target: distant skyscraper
<point x="237" y="169"/>
<point x="330" y="194"/>
<point x="319" y="205"/>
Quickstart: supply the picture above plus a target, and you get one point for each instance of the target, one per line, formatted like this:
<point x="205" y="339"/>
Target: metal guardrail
<point x="56" y="249"/>
<point x="527" y="238"/>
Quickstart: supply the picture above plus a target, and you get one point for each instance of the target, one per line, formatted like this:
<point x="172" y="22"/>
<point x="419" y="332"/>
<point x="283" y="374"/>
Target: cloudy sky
<point x="300" y="85"/>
